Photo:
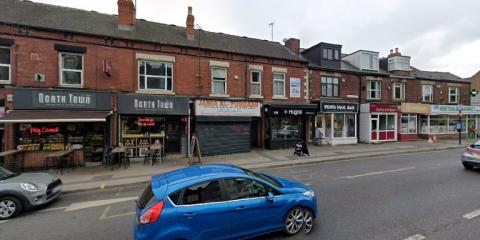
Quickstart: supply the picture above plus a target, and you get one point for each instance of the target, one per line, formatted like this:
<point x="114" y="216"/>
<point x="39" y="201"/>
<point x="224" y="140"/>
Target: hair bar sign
<point x="60" y="99"/>
<point x="338" y="107"/>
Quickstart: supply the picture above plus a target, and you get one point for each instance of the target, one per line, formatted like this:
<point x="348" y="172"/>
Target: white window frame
<point x="378" y="91"/>
<point x="456" y="94"/>
<point x="408" y="117"/>
<point x="402" y="90"/>
<point x="9" y="67"/>
<point x="61" y="69"/>
<point x="157" y="76"/>
<point x="259" y="83"/>
<point x="225" y="81"/>
<point x="424" y="87"/>
<point x="277" y="80"/>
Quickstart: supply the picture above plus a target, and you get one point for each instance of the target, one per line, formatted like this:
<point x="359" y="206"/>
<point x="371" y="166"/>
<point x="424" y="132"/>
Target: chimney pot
<point x="396" y="50"/>
<point x="190" y="31"/>
<point x="391" y="51"/>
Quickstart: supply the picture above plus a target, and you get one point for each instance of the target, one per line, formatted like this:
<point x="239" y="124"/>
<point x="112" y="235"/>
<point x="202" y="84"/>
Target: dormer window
<point x="369" y="62"/>
<point x="331" y="54"/>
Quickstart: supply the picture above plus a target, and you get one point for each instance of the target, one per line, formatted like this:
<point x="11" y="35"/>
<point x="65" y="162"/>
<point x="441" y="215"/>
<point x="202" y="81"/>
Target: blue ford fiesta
<point x="220" y="201"/>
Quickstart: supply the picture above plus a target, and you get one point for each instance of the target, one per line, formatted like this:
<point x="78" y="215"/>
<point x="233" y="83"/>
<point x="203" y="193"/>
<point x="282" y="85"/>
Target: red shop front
<point x="378" y="122"/>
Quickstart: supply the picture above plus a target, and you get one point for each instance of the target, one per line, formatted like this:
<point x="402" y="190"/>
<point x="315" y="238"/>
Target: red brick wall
<point x="349" y="84"/>
<point x="386" y="85"/>
<point x="440" y="91"/>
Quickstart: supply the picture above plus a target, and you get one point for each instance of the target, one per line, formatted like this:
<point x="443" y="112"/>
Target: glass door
<point x="374" y="127"/>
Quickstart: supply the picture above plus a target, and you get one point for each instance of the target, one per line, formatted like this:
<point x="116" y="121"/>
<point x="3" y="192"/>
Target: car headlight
<point x="29" y="187"/>
<point x="309" y="193"/>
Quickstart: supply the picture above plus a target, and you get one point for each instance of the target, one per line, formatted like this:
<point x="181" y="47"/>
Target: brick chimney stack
<point x="190" y="31"/>
<point x="293" y="44"/>
<point x="126" y="14"/>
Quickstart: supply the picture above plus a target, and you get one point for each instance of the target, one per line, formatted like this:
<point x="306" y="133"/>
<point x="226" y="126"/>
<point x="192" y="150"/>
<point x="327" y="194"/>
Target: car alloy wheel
<point x="294" y="221"/>
<point x="7" y="208"/>
<point x="308" y="221"/>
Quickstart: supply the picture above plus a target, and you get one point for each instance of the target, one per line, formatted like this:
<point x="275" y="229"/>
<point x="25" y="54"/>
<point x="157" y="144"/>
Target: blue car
<point x="220" y="201"/>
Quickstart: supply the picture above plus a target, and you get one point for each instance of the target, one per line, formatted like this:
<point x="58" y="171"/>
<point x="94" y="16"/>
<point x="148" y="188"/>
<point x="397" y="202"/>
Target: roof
<point x="438" y="76"/>
<point x="199" y="171"/>
<point x="349" y="68"/>
<point x="51" y="17"/>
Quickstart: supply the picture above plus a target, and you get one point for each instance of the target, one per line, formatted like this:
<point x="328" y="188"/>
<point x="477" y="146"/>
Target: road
<point x="403" y="197"/>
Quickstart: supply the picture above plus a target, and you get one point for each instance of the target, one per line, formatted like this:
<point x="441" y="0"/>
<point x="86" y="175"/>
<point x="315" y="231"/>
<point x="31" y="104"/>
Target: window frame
<point x="283" y="81"/>
<point x="409" y="117"/>
<point x="61" y="70"/>
<point x="267" y="188"/>
<point x="326" y="83"/>
<point x="378" y="91"/>
<point x="145" y="75"/>
<point x="9" y="81"/>
<point x="456" y="95"/>
<point x="259" y="83"/>
<point x="402" y="90"/>
<point x="225" y="81"/>
<point x="423" y="93"/>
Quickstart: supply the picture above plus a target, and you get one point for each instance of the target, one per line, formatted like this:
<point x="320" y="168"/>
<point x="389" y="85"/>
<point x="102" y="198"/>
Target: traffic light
<point x="473" y="92"/>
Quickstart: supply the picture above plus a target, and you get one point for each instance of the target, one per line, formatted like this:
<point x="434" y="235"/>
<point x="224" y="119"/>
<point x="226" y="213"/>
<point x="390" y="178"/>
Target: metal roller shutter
<point x="223" y="137"/>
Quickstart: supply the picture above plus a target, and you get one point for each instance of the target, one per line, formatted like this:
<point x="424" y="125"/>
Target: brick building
<point x="88" y="80"/>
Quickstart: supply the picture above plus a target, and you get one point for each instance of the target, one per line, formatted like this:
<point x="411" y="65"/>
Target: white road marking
<point x="105" y="215"/>
<point x="4" y="221"/>
<point x="377" y="173"/>
<point x="91" y="204"/>
<point x="472" y="215"/>
<point x="52" y="209"/>
<point x="416" y="237"/>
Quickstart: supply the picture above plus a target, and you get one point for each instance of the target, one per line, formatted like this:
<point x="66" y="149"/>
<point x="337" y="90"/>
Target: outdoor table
<point x="154" y="148"/>
<point x="15" y="154"/>
<point x="116" y="153"/>
<point x="58" y="155"/>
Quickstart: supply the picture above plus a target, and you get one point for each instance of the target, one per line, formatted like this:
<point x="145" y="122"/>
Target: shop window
<point x="427" y="93"/>
<point x="330" y="87"/>
<point x="453" y="94"/>
<point x="279" y="84"/>
<point x="398" y="91"/>
<point x="374" y="90"/>
<point x="5" y="65"/>
<point x="452" y="122"/>
<point x="328" y="125"/>
<point x="219" y="80"/>
<point x="350" y="123"/>
<point x="409" y="123"/>
<point x="286" y="128"/>
<point x="256" y="78"/>
<point x="154" y="75"/>
<point x="344" y="125"/>
<point x="438" y="124"/>
<point x="139" y="132"/>
<point x="71" y="69"/>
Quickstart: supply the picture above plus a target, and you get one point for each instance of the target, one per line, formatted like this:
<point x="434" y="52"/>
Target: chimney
<point x="393" y="54"/>
<point x="190" y="31"/>
<point x="126" y="14"/>
<point x="293" y="44"/>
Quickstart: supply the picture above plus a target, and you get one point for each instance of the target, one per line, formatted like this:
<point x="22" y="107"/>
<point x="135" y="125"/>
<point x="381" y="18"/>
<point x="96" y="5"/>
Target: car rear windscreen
<point x="146" y="198"/>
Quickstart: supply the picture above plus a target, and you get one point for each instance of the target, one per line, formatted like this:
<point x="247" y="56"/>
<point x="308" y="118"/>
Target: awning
<point x="17" y="116"/>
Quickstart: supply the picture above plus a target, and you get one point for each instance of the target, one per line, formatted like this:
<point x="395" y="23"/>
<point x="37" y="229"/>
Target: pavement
<point x="88" y="178"/>
<point x="409" y="196"/>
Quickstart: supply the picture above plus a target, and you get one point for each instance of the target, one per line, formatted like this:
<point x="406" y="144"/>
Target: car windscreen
<point x="4" y="173"/>
<point x="263" y="177"/>
<point x="146" y="198"/>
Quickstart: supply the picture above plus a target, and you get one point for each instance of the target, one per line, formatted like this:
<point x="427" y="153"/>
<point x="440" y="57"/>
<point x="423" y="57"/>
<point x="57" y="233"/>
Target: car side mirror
<point x="270" y="197"/>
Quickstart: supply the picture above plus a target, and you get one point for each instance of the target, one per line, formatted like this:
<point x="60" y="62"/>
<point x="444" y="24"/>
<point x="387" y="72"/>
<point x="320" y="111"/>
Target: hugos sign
<point x="60" y="99"/>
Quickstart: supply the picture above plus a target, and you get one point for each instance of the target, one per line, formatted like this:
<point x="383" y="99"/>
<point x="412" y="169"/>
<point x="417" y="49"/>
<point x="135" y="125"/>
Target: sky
<point x="439" y="35"/>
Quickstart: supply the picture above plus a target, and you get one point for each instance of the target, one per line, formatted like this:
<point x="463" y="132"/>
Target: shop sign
<point x="454" y="109"/>
<point x="40" y="131"/>
<point x="375" y="107"/>
<point x="60" y="99"/>
<point x="338" y="107"/>
<point x="227" y="108"/>
<point x="290" y="110"/>
<point x="295" y="88"/>
<point x="152" y="105"/>
<point x="415" y="108"/>
<point x="146" y="122"/>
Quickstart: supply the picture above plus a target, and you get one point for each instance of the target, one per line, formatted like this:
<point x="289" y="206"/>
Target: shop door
<point x="254" y="132"/>
<point x="174" y="134"/>
<point x="472" y="130"/>
<point x="374" y="123"/>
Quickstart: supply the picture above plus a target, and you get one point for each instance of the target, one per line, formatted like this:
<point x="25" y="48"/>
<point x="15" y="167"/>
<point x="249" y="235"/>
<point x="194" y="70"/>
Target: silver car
<point x="19" y="192"/>
<point x="471" y="156"/>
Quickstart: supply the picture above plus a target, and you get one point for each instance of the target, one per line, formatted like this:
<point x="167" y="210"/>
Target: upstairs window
<point x="398" y="91"/>
<point x="71" y="69"/>
<point x="154" y="75"/>
<point x="279" y="84"/>
<point x="219" y="80"/>
<point x="330" y="54"/>
<point x="256" y="77"/>
<point x="330" y="87"/>
<point x="453" y="94"/>
<point x="369" y="62"/>
<point x="5" y="65"/>
<point x="427" y="93"/>
<point x="374" y="90"/>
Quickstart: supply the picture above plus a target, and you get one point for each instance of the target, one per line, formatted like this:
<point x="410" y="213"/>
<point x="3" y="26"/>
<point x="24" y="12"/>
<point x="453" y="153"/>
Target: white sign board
<point x="227" y="108"/>
<point x="295" y="88"/>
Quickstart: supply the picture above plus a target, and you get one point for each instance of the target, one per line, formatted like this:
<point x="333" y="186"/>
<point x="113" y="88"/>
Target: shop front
<point x="378" y="122"/>
<point x="152" y="119"/>
<point x="409" y="120"/>
<point x="53" y="120"/>
<point x="285" y="124"/>
<point x="443" y="121"/>
<point x="226" y="126"/>
<point x="336" y="123"/>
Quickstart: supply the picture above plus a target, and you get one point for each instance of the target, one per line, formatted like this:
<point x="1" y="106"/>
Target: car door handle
<point x="241" y="208"/>
<point x="189" y="215"/>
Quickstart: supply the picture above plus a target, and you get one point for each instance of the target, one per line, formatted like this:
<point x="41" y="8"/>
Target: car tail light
<point x="469" y="150"/>
<point x="152" y="214"/>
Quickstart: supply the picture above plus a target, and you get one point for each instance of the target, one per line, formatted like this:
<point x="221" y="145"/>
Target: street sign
<point x="458" y="126"/>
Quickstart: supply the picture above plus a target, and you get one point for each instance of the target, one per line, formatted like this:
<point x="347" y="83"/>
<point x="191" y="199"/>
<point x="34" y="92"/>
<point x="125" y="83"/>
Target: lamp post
<point x="459" y="126"/>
